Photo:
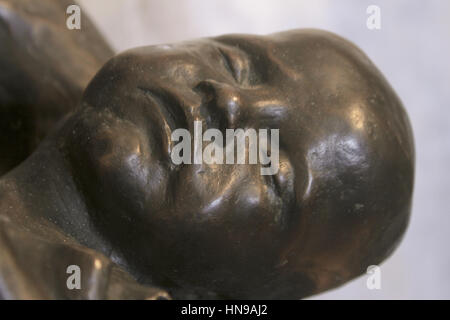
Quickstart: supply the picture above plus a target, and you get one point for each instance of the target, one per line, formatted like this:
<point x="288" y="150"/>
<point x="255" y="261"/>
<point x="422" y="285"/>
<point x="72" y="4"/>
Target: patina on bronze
<point x="103" y="184"/>
<point x="44" y="68"/>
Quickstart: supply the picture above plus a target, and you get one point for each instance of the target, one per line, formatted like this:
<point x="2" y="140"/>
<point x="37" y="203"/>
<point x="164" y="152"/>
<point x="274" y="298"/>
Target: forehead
<point x="264" y="54"/>
<point x="183" y="63"/>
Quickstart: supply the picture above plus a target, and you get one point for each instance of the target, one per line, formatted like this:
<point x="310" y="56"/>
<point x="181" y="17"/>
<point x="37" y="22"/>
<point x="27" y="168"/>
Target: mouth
<point x="282" y="183"/>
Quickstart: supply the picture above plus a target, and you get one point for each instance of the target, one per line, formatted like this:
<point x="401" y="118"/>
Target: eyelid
<point x="230" y="65"/>
<point x="168" y="105"/>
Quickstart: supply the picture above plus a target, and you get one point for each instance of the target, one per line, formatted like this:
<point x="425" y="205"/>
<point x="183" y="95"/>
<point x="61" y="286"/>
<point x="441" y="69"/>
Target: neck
<point x="41" y="195"/>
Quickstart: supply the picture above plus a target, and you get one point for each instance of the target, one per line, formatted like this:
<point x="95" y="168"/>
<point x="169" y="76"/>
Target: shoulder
<point x="33" y="267"/>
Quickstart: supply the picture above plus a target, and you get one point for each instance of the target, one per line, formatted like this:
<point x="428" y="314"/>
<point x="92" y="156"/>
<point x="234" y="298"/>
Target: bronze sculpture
<point x="101" y="191"/>
<point x="44" y="70"/>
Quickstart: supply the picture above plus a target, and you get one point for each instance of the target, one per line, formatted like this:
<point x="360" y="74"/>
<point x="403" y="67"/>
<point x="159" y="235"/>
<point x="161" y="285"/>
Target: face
<point x="340" y="199"/>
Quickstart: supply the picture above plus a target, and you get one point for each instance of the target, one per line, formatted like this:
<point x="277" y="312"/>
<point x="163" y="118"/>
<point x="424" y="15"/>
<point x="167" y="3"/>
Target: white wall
<point x="412" y="49"/>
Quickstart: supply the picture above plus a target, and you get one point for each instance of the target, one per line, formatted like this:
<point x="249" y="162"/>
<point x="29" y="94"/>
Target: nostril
<point x="221" y="103"/>
<point x="207" y="89"/>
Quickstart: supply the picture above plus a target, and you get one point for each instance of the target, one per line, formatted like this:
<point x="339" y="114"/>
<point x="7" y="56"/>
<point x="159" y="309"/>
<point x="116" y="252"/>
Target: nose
<point x="240" y="107"/>
<point x="221" y="101"/>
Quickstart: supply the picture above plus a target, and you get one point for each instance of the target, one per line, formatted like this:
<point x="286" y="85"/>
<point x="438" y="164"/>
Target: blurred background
<point x="412" y="49"/>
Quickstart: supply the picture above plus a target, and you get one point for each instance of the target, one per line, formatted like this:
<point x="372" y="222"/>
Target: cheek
<point x="122" y="173"/>
<point x="129" y="173"/>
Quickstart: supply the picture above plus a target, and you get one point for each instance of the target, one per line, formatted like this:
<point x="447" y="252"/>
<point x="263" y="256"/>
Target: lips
<point x="282" y="183"/>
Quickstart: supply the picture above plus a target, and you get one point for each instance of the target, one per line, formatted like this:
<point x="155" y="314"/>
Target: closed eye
<point x="228" y="62"/>
<point x="169" y="107"/>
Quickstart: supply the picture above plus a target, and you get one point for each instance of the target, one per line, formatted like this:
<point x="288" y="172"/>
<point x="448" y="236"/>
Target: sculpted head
<point x="339" y="202"/>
